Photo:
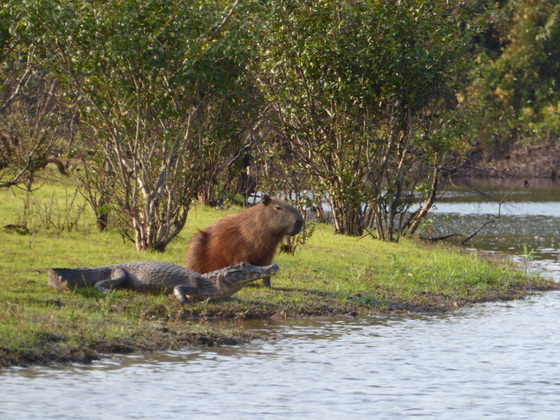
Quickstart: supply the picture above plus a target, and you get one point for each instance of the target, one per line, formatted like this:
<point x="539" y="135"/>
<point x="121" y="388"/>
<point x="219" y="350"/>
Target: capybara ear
<point x="266" y="200"/>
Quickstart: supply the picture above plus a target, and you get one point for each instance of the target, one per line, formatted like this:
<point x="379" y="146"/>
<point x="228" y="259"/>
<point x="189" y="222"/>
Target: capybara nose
<point x="298" y="225"/>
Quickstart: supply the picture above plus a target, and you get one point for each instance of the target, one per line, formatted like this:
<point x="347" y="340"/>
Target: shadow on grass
<point x="294" y="303"/>
<point x="285" y="303"/>
<point x="88" y="292"/>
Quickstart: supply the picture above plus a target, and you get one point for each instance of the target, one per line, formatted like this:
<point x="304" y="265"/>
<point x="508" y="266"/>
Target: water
<point x="516" y="219"/>
<point x="496" y="360"/>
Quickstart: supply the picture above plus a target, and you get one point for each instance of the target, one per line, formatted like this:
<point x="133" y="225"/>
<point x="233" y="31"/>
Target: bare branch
<point x="441" y="238"/>
<point x="502" y="201"/>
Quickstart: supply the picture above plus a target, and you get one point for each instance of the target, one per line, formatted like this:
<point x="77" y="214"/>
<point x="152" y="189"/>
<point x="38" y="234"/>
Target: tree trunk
<point x="415" y="219"/>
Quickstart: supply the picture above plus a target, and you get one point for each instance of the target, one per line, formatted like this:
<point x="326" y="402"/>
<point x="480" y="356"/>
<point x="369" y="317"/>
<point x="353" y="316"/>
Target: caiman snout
<point x="256" y="272"/>
<point x="244" y="272"/>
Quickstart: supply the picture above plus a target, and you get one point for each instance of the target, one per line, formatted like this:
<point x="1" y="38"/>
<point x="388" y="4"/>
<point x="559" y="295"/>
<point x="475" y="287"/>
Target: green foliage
<point x="35" y="126"/>
<point x="517" y="83"/>
<point x="361" y="93"/>
<point x="355" y="104"/>
<point x="160" y="89"/>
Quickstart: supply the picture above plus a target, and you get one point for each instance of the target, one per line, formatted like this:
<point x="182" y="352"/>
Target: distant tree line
<point x="354" y="109"/>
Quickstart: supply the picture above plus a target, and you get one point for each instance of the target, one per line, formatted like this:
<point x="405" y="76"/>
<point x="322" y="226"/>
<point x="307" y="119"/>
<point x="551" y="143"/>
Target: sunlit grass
<point x="331" y="275"/>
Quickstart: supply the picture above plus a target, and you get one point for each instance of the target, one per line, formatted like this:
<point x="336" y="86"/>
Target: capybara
<point x="250" y="236"/>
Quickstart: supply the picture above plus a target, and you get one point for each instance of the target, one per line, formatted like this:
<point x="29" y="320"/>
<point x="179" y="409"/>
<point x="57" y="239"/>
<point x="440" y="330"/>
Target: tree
<point x="147" y="77"/>
<point x="516" y="85"/>
<point x="361" y="93"/>
<point x="34" y="126"/>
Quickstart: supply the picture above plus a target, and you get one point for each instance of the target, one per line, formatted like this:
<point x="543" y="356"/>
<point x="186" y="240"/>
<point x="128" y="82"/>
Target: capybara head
<point x="280" y="217"/>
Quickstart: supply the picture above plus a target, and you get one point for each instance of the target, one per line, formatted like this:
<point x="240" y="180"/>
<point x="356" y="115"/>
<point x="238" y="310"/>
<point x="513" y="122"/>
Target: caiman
<point x="155" y="276"/>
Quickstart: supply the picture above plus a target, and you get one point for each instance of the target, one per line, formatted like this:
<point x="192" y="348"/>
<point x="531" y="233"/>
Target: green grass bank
<point x="332" y="275"/>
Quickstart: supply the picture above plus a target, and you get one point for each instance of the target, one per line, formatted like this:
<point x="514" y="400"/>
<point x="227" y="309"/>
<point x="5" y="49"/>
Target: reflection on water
<point x="496" y="360"/>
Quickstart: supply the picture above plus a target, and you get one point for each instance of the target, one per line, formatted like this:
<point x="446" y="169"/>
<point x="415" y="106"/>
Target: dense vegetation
<point x="363" y="106"/>
<point x="517" y="79"/>
<point x="148" y="110"/>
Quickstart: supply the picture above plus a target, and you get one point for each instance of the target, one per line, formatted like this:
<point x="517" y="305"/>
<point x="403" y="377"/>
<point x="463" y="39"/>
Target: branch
<point x="479" y="229"/>
<point x="369" y="233"/>
<point x="226" y="18"/>
<point x="28" y="164"/>
<point x="441" y="238"/>
<point x="21" y="83"/>
<point x="496" y="218"/>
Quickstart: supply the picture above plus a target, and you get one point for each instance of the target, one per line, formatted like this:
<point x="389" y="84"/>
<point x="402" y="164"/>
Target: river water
<point x="495" y="360"/>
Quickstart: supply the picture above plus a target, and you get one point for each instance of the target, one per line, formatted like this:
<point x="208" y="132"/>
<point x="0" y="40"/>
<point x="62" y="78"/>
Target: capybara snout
<point x="251" y="236"/>
<point x="281" y="217"/>
<point x="297" y="226"/>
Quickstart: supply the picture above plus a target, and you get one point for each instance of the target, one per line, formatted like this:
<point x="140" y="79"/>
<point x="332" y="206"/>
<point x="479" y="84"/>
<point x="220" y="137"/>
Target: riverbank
<point x="331" y="275"/>
<point x="517" y="161"/>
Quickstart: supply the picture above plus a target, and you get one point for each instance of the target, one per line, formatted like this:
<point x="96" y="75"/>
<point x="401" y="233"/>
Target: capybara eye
<point x="278" y="208"/>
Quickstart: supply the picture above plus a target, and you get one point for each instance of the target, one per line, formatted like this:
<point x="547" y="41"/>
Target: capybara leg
<point x="266" y="281"/>
<point x="118" y="279"/>
<point x="181" y="291"/>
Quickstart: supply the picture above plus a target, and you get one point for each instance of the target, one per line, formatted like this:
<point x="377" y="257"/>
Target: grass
<point x="331" y="275"/>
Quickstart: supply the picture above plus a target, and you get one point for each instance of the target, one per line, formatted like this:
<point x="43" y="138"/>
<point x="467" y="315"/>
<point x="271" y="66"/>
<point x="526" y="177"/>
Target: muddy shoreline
<point x="178" y="334"/>
<point x="517" y="162"/>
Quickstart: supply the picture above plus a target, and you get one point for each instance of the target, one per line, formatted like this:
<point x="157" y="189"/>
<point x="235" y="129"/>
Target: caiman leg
<point x="118" y="279"/>
<point x="181" y="291"/>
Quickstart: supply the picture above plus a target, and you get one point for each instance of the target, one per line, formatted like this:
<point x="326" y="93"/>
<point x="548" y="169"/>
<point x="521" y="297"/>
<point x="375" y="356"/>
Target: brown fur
<point x="250" y="236"/>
